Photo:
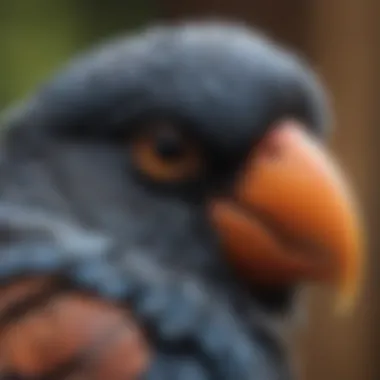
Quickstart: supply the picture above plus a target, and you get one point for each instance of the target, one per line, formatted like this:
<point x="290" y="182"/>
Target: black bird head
<point x="185" y="152"/>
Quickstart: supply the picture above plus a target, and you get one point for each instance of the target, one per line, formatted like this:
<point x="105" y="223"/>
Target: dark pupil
<point x="169" y="145"/>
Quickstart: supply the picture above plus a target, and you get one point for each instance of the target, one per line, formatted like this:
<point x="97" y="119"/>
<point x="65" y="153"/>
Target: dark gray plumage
<point x="71" y="202"/>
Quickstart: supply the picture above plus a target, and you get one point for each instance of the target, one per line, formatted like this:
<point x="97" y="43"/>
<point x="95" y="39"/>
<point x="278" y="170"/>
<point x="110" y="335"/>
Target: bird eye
<point x="165" y="155"/>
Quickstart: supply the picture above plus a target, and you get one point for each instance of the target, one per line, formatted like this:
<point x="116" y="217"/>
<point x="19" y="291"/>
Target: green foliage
<point x="38" y="36"/>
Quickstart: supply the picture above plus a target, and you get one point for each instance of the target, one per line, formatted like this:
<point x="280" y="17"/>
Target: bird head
<point x="198" y="149"/>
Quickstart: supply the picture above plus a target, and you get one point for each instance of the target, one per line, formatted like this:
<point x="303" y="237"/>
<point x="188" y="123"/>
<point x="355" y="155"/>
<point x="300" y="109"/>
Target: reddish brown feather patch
<point x="11" y="294"/>
<point x="76" y="335"/>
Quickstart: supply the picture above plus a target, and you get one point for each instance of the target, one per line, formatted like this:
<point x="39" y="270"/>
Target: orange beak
<point x="291" y="218"/>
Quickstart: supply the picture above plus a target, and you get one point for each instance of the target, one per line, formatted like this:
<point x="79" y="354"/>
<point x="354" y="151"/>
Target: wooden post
<point x="342" y="43"/>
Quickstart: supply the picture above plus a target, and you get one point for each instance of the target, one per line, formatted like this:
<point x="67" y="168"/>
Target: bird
<point x="164" y="196"/>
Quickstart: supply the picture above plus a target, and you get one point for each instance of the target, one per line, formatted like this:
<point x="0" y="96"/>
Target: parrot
<point x="164" y="196"/>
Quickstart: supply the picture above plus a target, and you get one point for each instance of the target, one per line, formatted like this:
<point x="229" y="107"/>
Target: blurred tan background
<point x="341" y="38"/>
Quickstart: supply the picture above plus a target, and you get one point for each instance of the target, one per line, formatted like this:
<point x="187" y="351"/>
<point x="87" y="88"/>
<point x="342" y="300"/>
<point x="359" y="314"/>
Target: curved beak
<point x="291" y="217"/>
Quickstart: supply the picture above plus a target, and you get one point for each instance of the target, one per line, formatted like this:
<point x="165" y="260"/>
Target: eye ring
<point x="166" y="154"/>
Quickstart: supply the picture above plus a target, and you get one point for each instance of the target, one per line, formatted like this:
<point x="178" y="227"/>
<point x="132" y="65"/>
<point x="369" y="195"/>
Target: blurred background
<point x="341" y="38"/>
